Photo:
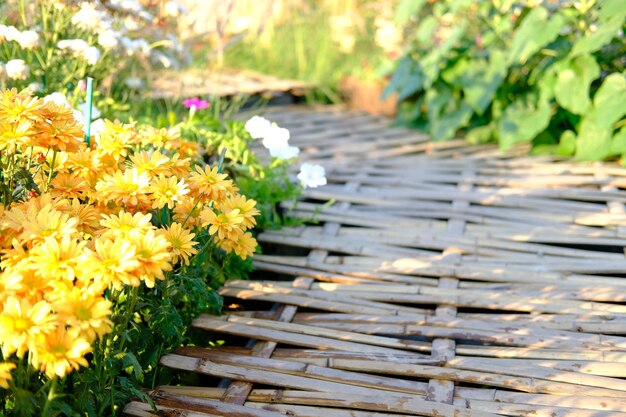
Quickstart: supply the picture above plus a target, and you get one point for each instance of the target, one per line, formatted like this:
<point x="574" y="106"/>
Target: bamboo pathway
<point x="444" y="280"/>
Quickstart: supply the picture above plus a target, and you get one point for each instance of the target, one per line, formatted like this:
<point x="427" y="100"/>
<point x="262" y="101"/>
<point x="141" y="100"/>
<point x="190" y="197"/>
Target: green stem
<point x="50" y="397"/>
<point x="54" y="159"/>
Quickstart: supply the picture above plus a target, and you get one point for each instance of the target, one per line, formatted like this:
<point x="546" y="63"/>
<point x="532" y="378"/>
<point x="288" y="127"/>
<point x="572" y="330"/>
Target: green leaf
<point x="594" y="141"/>
<point x="610" y="100"/>
<point x="567" y="143"/>
<point x="534" y="33"/>
<point x="484" y="80"/>
<point x="480" y="134"/>
<point x="618" y="143"/>
<point x="407" y="9"/>
<point x="571" y="89"/>
<point x="426" y="29"/>
<point x="446" y="126"/>
<point x="521" y="122"/>
<point x="594" y="41"/>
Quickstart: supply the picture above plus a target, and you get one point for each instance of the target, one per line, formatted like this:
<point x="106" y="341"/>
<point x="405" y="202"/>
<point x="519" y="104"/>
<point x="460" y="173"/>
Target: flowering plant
<point x="101" y="248"/>
<point x="49" y="45"/>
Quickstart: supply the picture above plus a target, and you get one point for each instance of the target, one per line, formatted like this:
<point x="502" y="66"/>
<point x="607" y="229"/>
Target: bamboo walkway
<point x="444" y="280"/>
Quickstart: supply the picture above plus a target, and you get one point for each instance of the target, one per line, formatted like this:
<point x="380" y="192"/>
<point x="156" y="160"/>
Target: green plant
<point x="548" y="73"/>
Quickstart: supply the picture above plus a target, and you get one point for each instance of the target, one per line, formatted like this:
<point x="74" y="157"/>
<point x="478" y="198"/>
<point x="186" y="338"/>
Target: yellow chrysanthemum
<point x="20" y="322"/>
<point x="167" y="191"/>
<point x="16" y="136"/>
<point x="246" y="209"/>
<point x="152" y="136"/>
<point x="112" y="263"/>
<point x="225" y="224"/>
<point x="124" y="224"/>
<point x="68" y="185"/>
<point x="35" y="226"/>
<point x="58" y="130"/>
<point x="154" y="256"/>
<point x="19" y="107"/>
<point x="185" y="148"/>
<point x="85" y="164"/>
<point x="61" y="351"/>
<point x="115" y="140"/>
<point x="86" y="312"/>
<point x="87" y="215"/>
<point x="181" y="241"/>
<point x="187" y="212"/>
<point x="209" y="184"/>
<point x="129" y="188"/>
<point x="243" y="245"/>
<point x="57" y="259"/>
<point x="22" y="281"/>
<point x="5" y="374"/>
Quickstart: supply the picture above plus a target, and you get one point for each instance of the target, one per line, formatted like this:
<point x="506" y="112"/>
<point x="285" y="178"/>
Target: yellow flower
<point x="5" y="373"/>
<point x="69" y="186"/>
<point x="86" y="312"/>
<point x="187" y="212"/>
<point x="58" y="130"/>
<point x="181" y="241"/>
<point x="61" y="351"/>
<point x="87" y="215"/>
<point x="151" y="136"/>
<point x="154" y="256"/>
<point x="116" y="139"/>
<point x="210" y="185"/>
<point x="22" y="281"/>
<point x="19" y="107"/>
<point x="125" y="224"/>
<point x="245" y="207"/>
<point x="58" y="259"/>
<point x="184" y="147"/>
<point x="226" y="224"/>
<point x="166" y="191"/>
<point x="21" y="322"/>
<point x="16" y="136"/>
<point x="111" y="264"/>
<point x="35" y="225"/>
<point x="154" y="163"/>
<point x="243" y="245"/>
<point x="85" y="164"/>
<point x="124" y="188"/>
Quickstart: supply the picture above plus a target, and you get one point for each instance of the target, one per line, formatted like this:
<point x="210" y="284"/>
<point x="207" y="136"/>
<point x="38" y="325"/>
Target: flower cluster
<point x="79" y="222"/>
<point x="95" y="38"/>
<point x="276" y="140"/>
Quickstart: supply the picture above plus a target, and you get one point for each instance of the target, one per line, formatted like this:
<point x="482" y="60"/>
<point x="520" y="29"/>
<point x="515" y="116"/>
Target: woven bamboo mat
<point x="221" y="83"/>
<point x="444" y="280"/>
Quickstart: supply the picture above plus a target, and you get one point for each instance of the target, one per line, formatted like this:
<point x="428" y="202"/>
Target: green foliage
<point x="547" y="74"/>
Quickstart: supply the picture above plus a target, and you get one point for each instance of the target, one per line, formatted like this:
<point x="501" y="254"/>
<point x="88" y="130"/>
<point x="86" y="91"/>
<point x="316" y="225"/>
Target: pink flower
<point x="196" y="102"/>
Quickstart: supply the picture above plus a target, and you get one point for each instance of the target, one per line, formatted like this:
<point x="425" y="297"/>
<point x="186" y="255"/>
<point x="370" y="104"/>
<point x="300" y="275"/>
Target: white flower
<point x="173" y="9"/>
<point x="76" y="46"/>
<point x="97" y="127"/>
<point x="258" y="127"/>
<point x="312" y="175"/>
<point x="35" y="87"/>
<point x="134" y="82"/>
<point x="28" y="39"/>
<point x="91" y="55"/>
<point x="9" y="33"/>
<point x="286" y="152"/>
<point x="130" y="24"/>
<point x="131" y="6"/>
<point x="90" y="18"/>
<point x="84" y="110"/>
<point x="276" y="137"/>
<point x="57" y="98"/>
<point x="16" y="69"/>
<point x="109" y="39"/>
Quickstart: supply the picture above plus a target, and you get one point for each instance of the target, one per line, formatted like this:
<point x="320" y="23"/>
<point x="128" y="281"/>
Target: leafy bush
<point x="548" y="73"/>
